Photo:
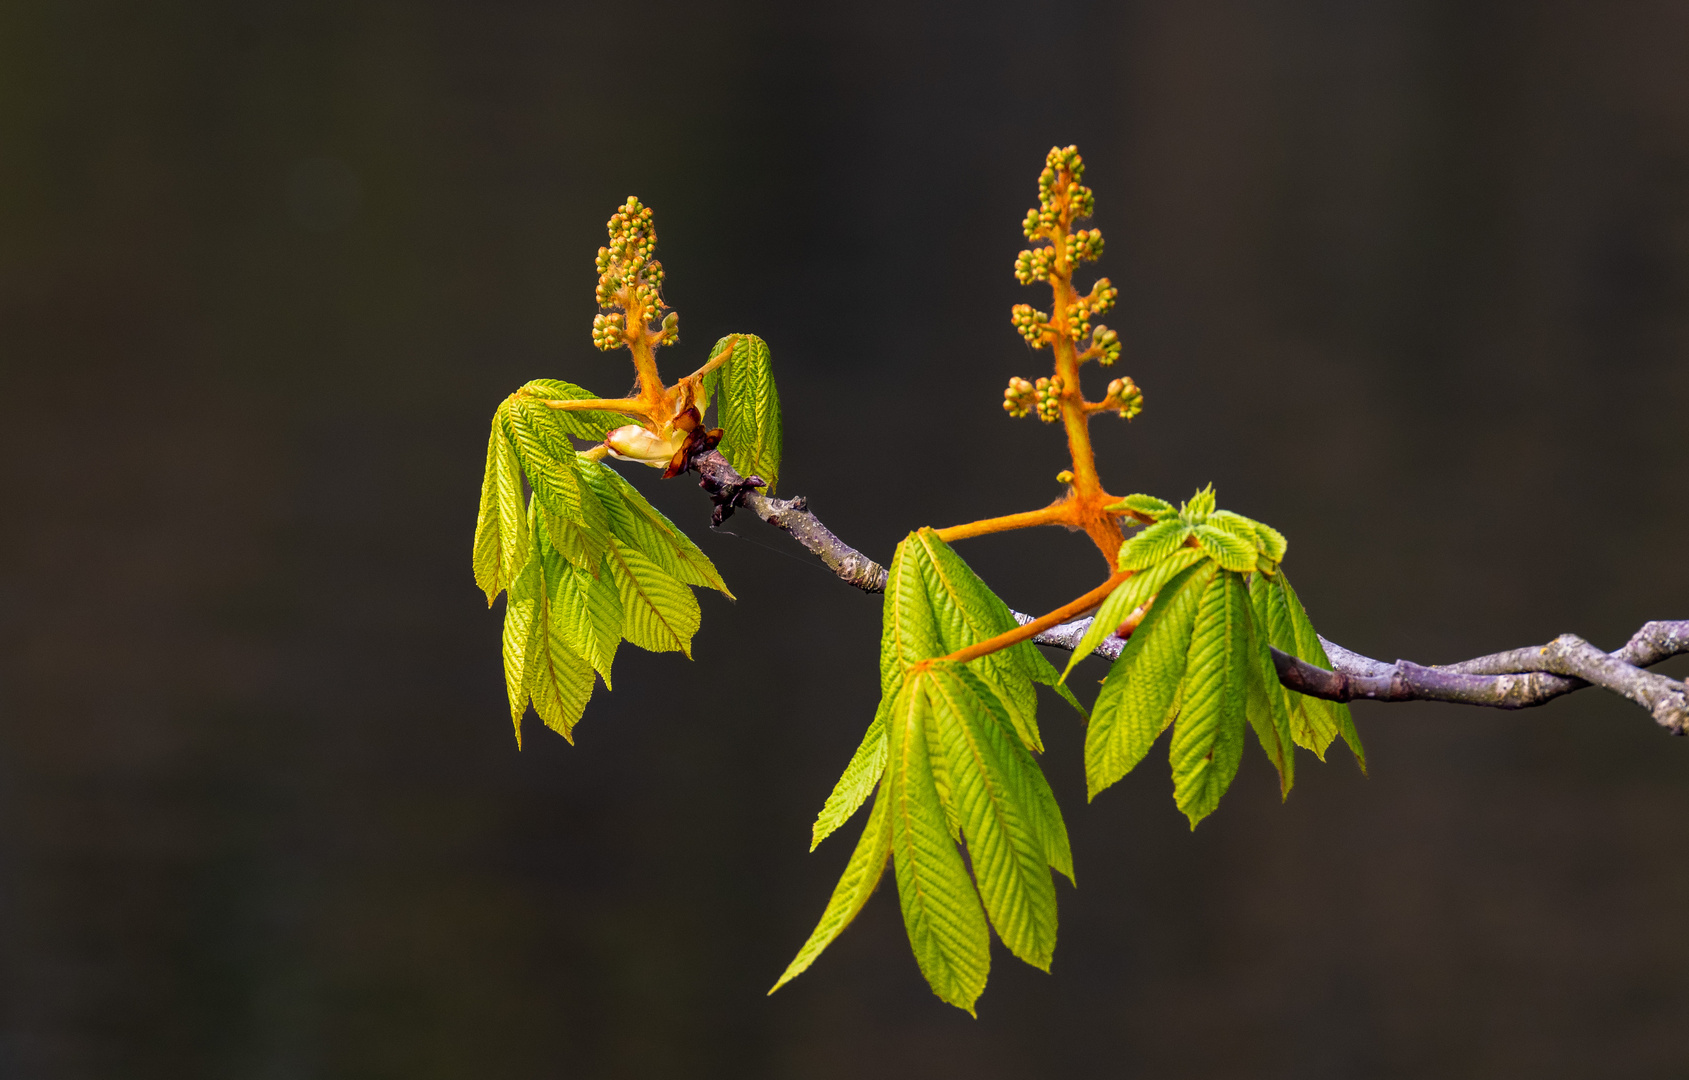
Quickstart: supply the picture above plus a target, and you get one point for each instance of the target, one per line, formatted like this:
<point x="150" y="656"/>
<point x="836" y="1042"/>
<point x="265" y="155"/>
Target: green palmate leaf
<point x="1208" y="734"/>
<point x="992" y="786"/>
<point x="1310" y="726"/>
<point x="747" y="407"/>
<point x="966" y="612"/>
<point x="590" y="608"/>
<point x="1137" y="591"/>
<point x="1147" y="505"/>
<point x="584" y="541"/>
<point x="501" y="528"/>
<point x="591" y="424"/>
<point x="1328" y="718"/>
<point x="658" y="613"/>
<point x="1139" y="696"/>
<point x="1268" y="709"/>
<point x="860" y="777"/>
<point x="1153" y="544"/>
<point x="867" y="864"/>
<point x="941" y="910"/>
<point x="1231" y="551"/>
<point x="640" y="525"/>
<point x="557" y="678"/>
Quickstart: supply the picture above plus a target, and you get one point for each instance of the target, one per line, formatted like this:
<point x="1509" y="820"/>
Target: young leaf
<point x="909" y="630"/>
<point x="747" y="408"/>
<point x="553" y="479"/>
<point x="591" y="424"/>
<point x="1232" y="552"/>
<point x="640" y="525"/>
<point x="1208" y="734"/>
<point x="659" y="614"/>
<point x="860" y="777"/>
<point x="941" y="910"/>
<point x="1147" y="505"/>
<point x="1138" y="697"/>
<point x="1138" y="590"/>
<point x="521" y="605"/>
<point x="556" y="677"/>
<point x="863" y="872"/>
<point x="1199" y="507"/>
<point x="992" y="789"/>
<point x="1153" y="544"/>
<point x="590" y="608"/>
<point x="1334" y="716"/>
<point x="501" y="528"/>
<point x="1267" y="708"/>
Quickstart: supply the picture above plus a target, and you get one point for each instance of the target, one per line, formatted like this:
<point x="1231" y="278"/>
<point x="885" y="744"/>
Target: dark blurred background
<point x="1408" y="280"/>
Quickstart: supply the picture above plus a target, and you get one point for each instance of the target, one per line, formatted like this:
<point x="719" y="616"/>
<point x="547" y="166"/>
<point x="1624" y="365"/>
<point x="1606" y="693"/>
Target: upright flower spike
<point x="630" y="282"/>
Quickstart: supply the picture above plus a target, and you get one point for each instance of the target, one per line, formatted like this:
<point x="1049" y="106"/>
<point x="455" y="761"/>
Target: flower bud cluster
<point x="1036" y="265"/>
<point x="1033" y="324"/>
<point x="1047" y="393"/>
<point x="1124" y="397"/>
<point x="1086" y="245"/>
<point x="1018" y="398"/>
<point x="1106" y="343"/>
<point x="629" y="277"/>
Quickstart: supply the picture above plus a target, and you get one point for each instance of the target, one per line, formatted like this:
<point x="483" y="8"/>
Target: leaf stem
<point x="715" y="361"/>
<point x="1042" y="623"/>
<point x="1054" y="514"/>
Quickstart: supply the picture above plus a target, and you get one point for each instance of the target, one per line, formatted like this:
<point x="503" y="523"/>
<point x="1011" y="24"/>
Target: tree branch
<point x="1516" y="679"/>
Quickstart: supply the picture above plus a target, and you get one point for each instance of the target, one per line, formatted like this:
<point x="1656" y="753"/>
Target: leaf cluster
<point x="585" y="560"/>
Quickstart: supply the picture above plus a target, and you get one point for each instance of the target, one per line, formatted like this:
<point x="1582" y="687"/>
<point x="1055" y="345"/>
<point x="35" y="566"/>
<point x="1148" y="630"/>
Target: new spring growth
<point x="631" y="280"/>
<point x="1124" y="398"/>
<point x="1062" y="200"/>
<point x="1048" y="393"/>
<point x="1018" y="398"/>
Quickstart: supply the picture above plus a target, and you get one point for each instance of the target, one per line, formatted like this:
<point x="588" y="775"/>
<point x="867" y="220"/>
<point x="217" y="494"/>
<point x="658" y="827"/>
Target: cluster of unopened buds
<point x="1105" y="343"/>
<point x="1124" y="397"/>
<point x="1047" y="396"/>
<point x="1033" y="324"/>
<point x="1018" y="398"/>
<point x="629" y="278"/>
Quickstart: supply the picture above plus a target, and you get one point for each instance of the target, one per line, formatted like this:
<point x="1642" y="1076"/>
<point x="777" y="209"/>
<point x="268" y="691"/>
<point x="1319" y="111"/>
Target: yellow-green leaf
<point x="1208" y="733"/>
<point x="658" y="613"/>
<point x="747" y="407"/>
<point x="863" y="872"/>
<point x="501" y="528"/>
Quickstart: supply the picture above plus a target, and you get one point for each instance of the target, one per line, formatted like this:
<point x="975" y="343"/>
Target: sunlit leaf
<point x="1208" y="733"/>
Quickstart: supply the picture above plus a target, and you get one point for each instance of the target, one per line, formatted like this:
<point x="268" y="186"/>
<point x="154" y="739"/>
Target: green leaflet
<point x="1147" y="505"/>
<point x="659" y="614"/>
<point x="501" y="527"/>
<point x="1267" y="707"/>
<point x="1137" y="590"/>
<point x="1231" y="551"/>
<point x="909" y="630"/>
<point x="1153" y="544"/>
<point x="521" y="605"/>
<point x="1208" y="734"/>
<point x="1199" y="506"/>
<point x="747" y="408"/>
<point x="992" y="780"/>
<point x="867" y="864"/>
<point x="866" y="767"/>
<point x="640" y="525"/>
<point x="585" y="540"/>
<point x="1138" y="697"/>
<point x="553" y="479"/>
<point x="1327" y="718"/>
<point x="591" y="424"/>
<point x="557" y="678"/>
<point x="590" y="608"/>
<point x="941" y="909"/>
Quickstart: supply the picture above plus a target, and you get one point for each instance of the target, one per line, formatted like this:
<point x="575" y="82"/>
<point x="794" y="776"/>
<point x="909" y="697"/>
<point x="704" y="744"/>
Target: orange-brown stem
<point x="1042" y="623"/>
<point x="1054" y="514"/>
